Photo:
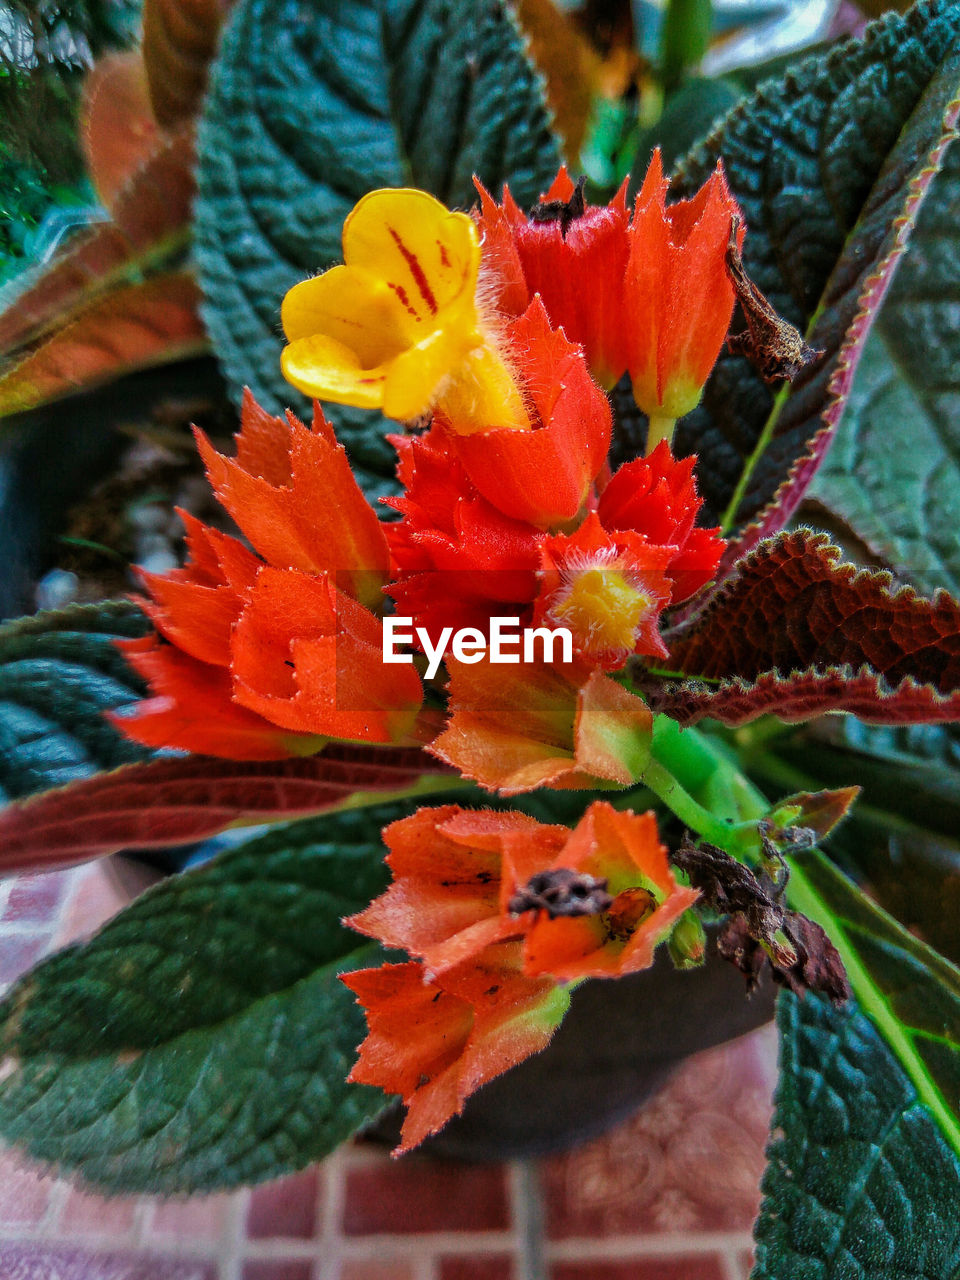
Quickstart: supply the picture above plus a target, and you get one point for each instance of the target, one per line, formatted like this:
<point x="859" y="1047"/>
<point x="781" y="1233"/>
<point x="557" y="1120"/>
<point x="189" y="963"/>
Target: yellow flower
<point x="397" y="327"/>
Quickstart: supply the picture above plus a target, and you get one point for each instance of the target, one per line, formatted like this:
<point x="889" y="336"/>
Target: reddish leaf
<point x="797" y="632"/>
<point x="179" y="39"/>
<point x="873" y="291"/>
<point x="133" y="328"/>
<point x="167" y="802"/>
<point x="793" y="604"/>
<point x="117" y="123"/>
<point x="803" y="695"/>
<point x="150" y="217"/>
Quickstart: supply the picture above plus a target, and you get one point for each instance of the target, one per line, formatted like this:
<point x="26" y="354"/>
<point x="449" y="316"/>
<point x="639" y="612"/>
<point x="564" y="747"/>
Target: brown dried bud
<point x="773" y="346"/>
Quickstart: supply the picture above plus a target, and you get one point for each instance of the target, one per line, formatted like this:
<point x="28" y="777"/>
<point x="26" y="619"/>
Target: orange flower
<point x="575" y="261"/>
<point x="436" y="1044"/>
<point x="516" y="728"/>
<point x="449" y="900"/>
<point x="679" y="295"/>
<point x="272" y="657"/>
<point x="501" y="911"/>
<point x="607" y="589"/>
<point x="623" y="851"/>
<point x="542" y="477"/>
<point x="656" y="496"/>
<point x="651" y="296"/>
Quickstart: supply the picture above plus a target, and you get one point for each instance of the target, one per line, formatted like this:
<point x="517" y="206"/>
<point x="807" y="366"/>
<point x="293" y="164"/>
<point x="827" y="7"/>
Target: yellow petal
<point x="355" y="309"/>
<point x="414" y="377"/>
<point x="483" y="395"/>
<point x="327" y="370"/>
<point x="427" y="255"/>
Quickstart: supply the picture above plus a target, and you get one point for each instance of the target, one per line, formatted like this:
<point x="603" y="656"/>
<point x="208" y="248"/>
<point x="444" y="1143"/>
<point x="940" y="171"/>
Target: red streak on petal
<point x="401" y="293"/>
<point x="444" y="256"/>
<point x="416" y="271"/>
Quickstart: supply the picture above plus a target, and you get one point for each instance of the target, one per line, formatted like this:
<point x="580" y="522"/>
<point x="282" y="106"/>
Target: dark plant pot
<point x="617" y="1046"/>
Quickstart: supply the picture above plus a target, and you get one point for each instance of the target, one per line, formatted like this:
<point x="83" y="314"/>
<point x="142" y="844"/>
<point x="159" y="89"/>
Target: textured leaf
<point x="909" y="991"/>
<point x="59" y="674"/>
<point x="801" y="695"/>
<point x="303" y="118"/>
<point x="860" y="1184"/>
<point x="117" y="123"/>
<point x="822" y="164"/>
<point x="166" y="802"/>
<point x="796" y="631"/>
<point x="132" y="328"/>
<point x="179" y="39"/>
<point x="201" y="1039"/>
<point x="893" y="474"/>
<point x="150" y="224"/>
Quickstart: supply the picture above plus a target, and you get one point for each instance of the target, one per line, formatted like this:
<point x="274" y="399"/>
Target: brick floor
<point x="668" y="1195"/>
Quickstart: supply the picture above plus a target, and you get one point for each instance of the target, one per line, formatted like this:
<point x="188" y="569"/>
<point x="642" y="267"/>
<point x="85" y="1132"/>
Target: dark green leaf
<point x="893" y="473"/>
<point x="202" y="1038"/>
<point x="822" y="164"/>
<point x="304" y="116"/>
<point x="909" y="991"/>
<point x="59" y="673"/>
<point x="860" y="1184"/>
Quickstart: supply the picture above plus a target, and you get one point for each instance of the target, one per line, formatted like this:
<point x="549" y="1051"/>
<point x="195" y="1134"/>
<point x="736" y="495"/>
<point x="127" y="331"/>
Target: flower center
<point x="604" y="609"/>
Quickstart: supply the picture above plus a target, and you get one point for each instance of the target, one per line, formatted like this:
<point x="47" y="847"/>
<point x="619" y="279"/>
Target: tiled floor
<point x="669" y="1195"/>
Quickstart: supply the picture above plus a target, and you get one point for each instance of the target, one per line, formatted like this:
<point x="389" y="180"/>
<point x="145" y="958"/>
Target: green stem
<point x="701" y="763"/>
<point x="660" y="428"/>
<point x="664" y="785"/>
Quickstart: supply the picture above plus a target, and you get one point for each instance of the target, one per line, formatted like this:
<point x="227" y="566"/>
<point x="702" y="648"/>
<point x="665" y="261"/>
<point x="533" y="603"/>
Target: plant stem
<point x="664" y="785"/>
<point x="659" y="429"/>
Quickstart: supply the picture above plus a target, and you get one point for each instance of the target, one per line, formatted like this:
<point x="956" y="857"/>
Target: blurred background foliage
<point x="46" y="48"/>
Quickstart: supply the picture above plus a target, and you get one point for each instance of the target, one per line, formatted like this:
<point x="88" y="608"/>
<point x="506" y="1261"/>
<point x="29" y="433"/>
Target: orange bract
<point x="648" y="294"/>
<point x="270" y="657"/>
<point x="487" y="988"/>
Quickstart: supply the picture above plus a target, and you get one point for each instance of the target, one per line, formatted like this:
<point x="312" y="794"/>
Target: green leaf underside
<point x="304" y="117"/>
<point x="59" y="673"/>
<point x="909" y="991"/>
<point x="202" y="1039"/>
<point x="860" y="1184"/>
<point x="803" y="157"/>
<point x="893" y="473"/>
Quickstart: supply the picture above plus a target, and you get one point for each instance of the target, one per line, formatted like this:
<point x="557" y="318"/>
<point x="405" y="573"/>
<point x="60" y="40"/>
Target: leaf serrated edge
<point x="68" y="618"/>
<point x="691" y="700"/>
<point x="820" y="543"/>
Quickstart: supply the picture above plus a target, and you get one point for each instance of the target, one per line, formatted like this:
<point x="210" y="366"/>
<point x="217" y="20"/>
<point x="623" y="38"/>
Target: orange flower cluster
<point x="648" y="295"/>
<point x="272" y="646"/>
<point x="269" y="653"/>
<point x="500" y="913"/>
